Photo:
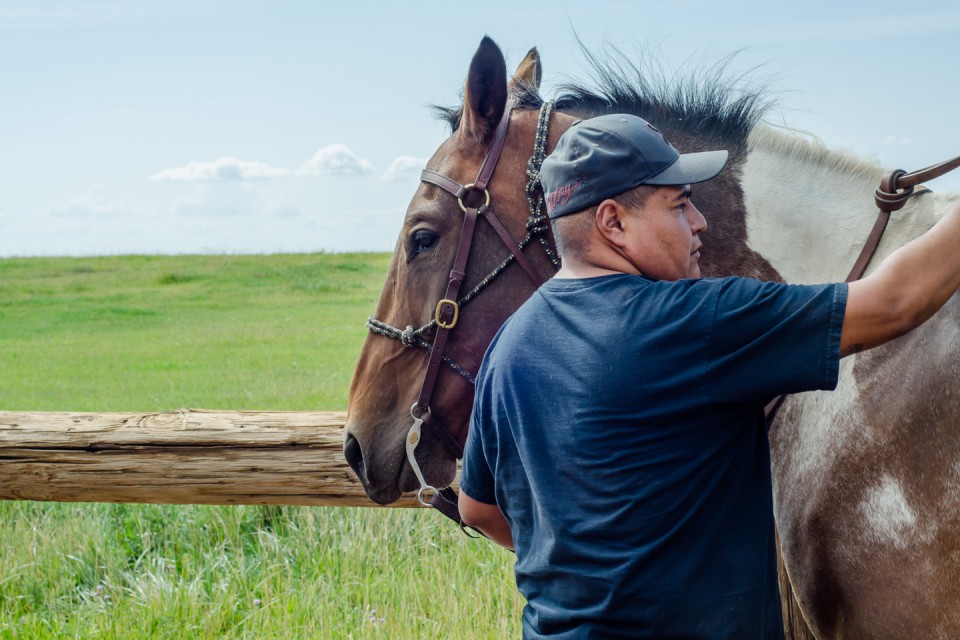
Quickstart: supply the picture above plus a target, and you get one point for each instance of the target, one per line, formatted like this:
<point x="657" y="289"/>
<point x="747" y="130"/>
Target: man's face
<point x="662" y="237"/>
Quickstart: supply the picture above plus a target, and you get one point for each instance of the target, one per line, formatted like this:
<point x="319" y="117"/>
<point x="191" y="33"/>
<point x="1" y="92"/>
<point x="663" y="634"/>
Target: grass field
<point x="273" y="332"/>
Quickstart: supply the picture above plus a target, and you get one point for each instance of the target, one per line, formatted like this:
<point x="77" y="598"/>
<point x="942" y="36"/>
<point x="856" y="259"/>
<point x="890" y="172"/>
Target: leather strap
<point x="908" y="180"/>
<point x="447" y="184"/>
<point x="446" y="314"/>
<point x="513" y="247"/>
<point x="445" y="501"/>
<point x="447" y="311"/>
<point x="892" y="194"/>
<point x="443" y="434"/>
<point x="869" y="247"/>
<point x="490" y="161"/>
<point x="460" y="192"/>
<point x="493" y="154"/>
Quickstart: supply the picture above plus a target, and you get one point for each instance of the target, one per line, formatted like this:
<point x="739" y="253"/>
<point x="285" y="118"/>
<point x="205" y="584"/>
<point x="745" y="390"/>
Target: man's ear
<point x="609" y="218"/>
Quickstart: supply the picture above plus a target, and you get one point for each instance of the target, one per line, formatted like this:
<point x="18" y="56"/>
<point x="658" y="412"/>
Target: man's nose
<point x="698" y="223"/>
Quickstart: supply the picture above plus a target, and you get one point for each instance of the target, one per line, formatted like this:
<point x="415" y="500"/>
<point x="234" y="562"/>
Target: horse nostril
<point x="354" y="455"/>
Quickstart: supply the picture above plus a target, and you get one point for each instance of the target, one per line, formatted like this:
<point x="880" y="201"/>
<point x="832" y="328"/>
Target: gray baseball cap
<point x="602" y="157"/>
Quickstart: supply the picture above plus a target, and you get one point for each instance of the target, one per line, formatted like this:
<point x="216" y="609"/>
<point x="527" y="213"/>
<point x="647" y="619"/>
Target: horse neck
<point x="809" y="209"/>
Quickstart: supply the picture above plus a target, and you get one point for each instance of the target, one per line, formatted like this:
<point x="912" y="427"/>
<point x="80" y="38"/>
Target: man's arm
<point x="487" y="519"/>
<point x="908" y="287"/>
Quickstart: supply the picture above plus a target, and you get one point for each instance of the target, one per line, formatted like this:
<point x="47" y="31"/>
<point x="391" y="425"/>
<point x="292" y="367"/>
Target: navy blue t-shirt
<point x="618" y="424"/>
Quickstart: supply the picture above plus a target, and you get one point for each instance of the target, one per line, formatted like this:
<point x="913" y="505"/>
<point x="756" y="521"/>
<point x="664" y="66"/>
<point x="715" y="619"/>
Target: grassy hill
<point x="222" y="332"/>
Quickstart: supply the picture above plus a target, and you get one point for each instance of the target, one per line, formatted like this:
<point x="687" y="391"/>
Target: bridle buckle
<point x="456" y="313"/>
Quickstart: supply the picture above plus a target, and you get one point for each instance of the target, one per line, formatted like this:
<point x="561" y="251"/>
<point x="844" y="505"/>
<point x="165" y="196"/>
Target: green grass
<point x="224" y="332"/>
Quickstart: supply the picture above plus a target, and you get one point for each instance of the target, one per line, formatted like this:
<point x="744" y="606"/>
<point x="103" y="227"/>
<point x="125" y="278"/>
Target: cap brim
<point x="691" y="168"/>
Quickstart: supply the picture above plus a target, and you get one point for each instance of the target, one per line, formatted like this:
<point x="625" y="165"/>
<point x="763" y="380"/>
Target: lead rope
<point x="539" y="224"/>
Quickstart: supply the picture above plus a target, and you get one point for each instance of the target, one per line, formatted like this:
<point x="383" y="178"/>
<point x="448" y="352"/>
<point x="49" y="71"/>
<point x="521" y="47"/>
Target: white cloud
<point x="336" y="159"/>
<point x="95" y="202"/>
<point x="402" y="167"/>
<point x="221" y="170"/>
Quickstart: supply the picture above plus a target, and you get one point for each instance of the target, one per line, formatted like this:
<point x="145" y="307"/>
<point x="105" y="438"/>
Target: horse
<point x="865" y="477"/>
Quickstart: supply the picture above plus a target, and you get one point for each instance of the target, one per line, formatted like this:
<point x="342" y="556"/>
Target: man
<point x="617" y="440"/>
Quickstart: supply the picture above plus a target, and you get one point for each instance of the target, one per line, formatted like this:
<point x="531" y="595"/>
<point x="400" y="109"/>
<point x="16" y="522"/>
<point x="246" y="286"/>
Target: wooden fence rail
<point x="190" y="456"/>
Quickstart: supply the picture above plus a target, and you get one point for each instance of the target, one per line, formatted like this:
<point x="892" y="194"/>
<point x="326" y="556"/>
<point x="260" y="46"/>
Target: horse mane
<point x="810" y="150"/>
<point x="708" y="101"/>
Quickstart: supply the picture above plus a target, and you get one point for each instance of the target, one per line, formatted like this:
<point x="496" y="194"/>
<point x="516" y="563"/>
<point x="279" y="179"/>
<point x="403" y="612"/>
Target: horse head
<point x="390" y="372"/>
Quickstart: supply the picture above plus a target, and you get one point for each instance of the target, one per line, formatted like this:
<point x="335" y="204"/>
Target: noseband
<point x="446" y="314"/>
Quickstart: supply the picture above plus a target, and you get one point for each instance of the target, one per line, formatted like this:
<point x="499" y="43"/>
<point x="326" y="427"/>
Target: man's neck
<point x="583" y="271"/>
<point x="594" y="264"/>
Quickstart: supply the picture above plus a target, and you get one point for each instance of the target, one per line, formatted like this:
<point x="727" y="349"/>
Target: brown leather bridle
<point x="447" y="311"/>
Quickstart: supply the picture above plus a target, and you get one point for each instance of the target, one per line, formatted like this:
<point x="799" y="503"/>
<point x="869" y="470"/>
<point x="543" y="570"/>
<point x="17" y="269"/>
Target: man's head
<point x="616" y="180"/>
<point x="605" y="156"/>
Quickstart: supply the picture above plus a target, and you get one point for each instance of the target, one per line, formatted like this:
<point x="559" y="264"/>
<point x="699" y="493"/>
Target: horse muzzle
<point x="384" y="471"/>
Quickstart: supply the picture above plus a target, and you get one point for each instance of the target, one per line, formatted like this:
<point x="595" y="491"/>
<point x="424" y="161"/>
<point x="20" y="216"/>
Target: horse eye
<point x="421" y="241"/>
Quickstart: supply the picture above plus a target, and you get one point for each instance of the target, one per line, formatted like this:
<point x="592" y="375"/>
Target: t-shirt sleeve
<point x="769" y="338"/>
<point x="476" y="478"/>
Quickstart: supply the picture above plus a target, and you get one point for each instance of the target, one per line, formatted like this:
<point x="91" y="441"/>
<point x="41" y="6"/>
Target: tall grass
<point x="231" y="332"/>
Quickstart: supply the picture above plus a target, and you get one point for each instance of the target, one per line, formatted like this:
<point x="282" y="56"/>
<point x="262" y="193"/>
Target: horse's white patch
<point x="788" y="223"/>
<point x="887" y="514"/>
<point x="813" y="236"/>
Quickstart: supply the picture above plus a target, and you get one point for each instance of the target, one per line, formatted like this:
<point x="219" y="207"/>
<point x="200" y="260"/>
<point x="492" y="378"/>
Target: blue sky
<point x="251" y="126"/>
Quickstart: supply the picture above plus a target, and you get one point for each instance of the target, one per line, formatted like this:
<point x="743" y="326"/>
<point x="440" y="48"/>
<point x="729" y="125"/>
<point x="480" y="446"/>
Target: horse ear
<point x="486" y="92"/>
<point x="528" y="74"/>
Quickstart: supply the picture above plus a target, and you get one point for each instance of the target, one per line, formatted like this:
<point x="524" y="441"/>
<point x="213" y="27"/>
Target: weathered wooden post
<point x="190" y="456"/>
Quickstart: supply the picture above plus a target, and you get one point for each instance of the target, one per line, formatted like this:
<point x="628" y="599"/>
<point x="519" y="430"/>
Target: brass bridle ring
<point x="468" y="187"/>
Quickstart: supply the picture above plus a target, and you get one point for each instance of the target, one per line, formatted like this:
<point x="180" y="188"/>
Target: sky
<point x="208" y="126"/>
